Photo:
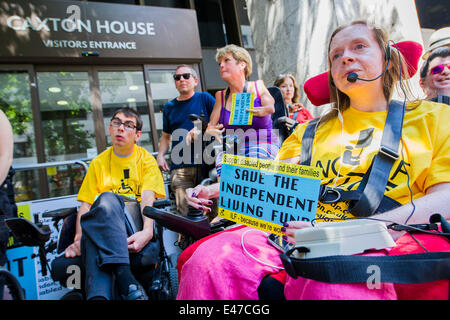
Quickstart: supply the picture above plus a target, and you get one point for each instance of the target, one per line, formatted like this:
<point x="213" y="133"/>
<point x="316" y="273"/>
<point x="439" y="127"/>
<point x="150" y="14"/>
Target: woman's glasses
<point x="439" y="68"/>
<point x="185" y="76"/>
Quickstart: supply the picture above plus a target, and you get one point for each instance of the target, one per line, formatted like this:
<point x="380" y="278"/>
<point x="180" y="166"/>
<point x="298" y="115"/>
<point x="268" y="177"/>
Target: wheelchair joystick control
<point x="194" y="214"/>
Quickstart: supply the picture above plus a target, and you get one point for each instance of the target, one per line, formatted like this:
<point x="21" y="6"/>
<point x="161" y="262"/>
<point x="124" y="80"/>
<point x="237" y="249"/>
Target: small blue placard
<point x="239" y="105"/>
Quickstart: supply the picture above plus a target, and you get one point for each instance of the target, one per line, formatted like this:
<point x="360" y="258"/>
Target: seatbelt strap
<point x="307" y="142"/>
<point x="405" y="269"/>
<point x="441" y="99"/>
<point x="374" y="187"/>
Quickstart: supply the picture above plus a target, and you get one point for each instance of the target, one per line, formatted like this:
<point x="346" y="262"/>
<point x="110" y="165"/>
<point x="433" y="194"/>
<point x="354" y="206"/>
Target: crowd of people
<point x="217" y="267"/>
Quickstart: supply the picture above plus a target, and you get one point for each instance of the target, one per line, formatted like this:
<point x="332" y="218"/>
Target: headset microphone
<point x="352" y="77"/>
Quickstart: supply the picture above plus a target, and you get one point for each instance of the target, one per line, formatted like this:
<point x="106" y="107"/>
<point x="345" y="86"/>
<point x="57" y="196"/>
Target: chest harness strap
<point x="369" y="197"/>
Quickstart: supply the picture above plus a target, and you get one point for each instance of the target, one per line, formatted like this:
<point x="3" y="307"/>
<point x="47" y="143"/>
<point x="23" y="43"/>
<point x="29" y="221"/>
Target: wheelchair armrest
<point x="162" y="203"/>
<point x="28" y="233"/>
<point x="59" y="213"/>
<point x="221" y="225"/>
<point x="196" y="227"/>
<point x="286" y="121"/>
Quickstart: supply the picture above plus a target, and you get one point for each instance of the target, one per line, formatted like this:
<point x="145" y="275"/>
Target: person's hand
<point x="289" y="229"/>
<point x="162" y="163"/>
<point x="198" y="198"/>
<point x="215" y="131"/>
<point x="74" y="250"/>
<point x="192" y="135"/>
<point x="258" y="112"/>
<point x="296" y="107"/>
<point x="136" y="242"/>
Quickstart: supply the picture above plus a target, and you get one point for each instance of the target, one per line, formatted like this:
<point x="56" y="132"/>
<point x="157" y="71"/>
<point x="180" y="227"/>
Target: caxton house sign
<point x="69" y="29"/>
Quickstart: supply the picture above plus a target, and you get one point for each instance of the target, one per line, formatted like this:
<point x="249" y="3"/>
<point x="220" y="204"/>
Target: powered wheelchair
<point x="157" y="270"/>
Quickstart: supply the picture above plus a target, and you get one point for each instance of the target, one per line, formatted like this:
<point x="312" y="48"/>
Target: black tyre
<point x="8" y="280"/>
<point x="173" y="277"/>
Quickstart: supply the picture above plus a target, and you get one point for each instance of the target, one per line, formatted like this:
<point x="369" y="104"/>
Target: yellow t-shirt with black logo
<point x="425" y="150"/>
<point x="128" y="176"/>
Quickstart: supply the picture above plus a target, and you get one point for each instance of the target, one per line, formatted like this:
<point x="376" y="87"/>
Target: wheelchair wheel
<point x="173" y="276"/>
<point x="168" y="288"/>
<point x="10" y="282"/>
<point x="73" y="295"/>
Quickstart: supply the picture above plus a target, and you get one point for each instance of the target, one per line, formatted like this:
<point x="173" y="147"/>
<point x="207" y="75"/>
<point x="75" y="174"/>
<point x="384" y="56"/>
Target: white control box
<point x="342" y="238"/>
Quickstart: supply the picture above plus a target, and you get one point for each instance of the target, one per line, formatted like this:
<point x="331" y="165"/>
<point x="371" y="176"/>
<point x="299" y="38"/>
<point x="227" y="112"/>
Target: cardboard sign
<point x="264" y="194"/>
<point x="24" y="262"/>
<point x="240" y="102"/>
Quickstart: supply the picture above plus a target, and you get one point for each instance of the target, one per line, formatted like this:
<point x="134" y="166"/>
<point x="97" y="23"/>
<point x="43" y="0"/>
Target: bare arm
<point x="436" y="200"/>
<point x="267" y="101"/>
<point x="215" y="114"/>
<point x="139" y="240"/>
<point x="74" y="249"/>
<point x="164" y="146"/>
<point x="6" y="146"/>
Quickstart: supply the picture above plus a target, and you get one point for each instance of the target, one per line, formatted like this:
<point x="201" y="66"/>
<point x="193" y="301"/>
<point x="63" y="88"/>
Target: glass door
<point x="162" y="90"/>
<point x="67" y="126"/>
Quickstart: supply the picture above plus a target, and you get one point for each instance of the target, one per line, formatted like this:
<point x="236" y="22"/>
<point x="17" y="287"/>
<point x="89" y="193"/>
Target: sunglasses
<point x="439" y="68"/>
<point x="128" y="125"/>
<point x="185" y="76"/>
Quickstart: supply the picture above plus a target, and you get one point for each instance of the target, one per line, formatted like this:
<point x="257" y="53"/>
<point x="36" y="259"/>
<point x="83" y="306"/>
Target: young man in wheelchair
<point x="106" y="249"/>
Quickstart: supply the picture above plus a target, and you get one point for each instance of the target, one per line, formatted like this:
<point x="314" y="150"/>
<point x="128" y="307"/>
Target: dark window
<point x="184" y="4"/>
<point x="118" y="1"/>
<point x="210" y="23"/>
<point x="246" y="31"/>
<point x="433" y="14"/>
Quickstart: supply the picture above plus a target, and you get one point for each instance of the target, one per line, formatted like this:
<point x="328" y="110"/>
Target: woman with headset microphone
<point x="362" y="76"/>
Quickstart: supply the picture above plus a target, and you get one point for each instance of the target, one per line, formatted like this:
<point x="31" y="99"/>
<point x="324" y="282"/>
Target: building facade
<point x="66" y="65"/>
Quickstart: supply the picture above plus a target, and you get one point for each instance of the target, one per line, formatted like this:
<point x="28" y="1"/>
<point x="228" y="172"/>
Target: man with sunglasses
<point x="101" y="238"/>
<point x="184" y="173"/>
<point x="435" y="75"/>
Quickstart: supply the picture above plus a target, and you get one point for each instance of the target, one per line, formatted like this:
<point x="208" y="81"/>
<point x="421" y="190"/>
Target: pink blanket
<point x="220" y="269"/>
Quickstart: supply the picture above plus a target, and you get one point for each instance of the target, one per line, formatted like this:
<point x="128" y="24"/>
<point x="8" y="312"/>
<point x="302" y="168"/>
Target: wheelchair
<point x="163" y="284"/>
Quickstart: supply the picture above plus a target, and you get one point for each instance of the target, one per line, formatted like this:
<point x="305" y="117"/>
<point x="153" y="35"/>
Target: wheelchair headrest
<point x="27" y="232"/>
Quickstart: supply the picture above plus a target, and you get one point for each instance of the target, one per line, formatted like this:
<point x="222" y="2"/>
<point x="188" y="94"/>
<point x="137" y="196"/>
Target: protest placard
<point x="264" y="194"/>
<point x="240" y="102"/>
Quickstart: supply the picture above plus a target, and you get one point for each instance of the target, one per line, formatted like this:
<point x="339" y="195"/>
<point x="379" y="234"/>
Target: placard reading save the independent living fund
<point x="264" y="194"/>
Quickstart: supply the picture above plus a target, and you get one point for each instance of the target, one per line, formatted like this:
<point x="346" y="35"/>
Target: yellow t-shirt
<point x="128" y="176"/>
<point x="426" y="152"/>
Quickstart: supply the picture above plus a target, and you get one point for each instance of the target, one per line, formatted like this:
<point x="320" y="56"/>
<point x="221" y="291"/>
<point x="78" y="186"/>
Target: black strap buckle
<point x="287" y="262"/>
<point x="388" y="152"/>
<point x="413" y="227"/>
<point x="330" y="191"/>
